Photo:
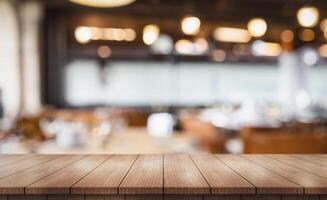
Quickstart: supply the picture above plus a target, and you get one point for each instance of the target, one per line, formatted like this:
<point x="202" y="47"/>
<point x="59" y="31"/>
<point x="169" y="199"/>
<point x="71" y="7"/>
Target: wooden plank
<point x="145" y="177"/>
<point x="264" y="180"/>
<point x="183" y="197"/>
<point x="261" y="197"/>
<point x="222" y="197"/>
<point x="27" y="197"/>
<point x="61" y="181"/>
<point x="65" y="197"/>
<point x="144" y="197"/>
<point x="18" y="166"/>
<point x="181" y="176"/>
<point x="312" y="158"/>
<point x="305" y="165"/>
<point x="104" y="197"/>
<point x="9" y="159"/>
<point x="300" y="197"/>
<point x="106" y="178"/>
<point x="221" y="178"/>
<point x="312" y="184"/>
<point x="16" y="183"/>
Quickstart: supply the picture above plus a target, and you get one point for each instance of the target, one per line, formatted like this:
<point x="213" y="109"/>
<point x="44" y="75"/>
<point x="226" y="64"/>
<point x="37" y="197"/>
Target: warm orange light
<point x="308" y="16"/>
<point x="257" y="27"/>
<point x="103" y="3"/>
<point x="287" y="36"/>
<point x="150" y="34"/>
<point x="191" y="25"/>
<point x="307" y="35"/>
<point x="227" y="34"/>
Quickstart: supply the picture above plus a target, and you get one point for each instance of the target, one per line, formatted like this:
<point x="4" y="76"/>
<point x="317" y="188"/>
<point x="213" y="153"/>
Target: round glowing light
<point x="184" y="46"/>
<point x="219" y="55"/>
<point x="96" y="33"/>
<point x="191" y="25"/>
<point x="103" y="3"/>
<point x="308" y="16"/>
<point x="150" y="34"/>
<point x="287" y="36"/>
<point x="257" y="27"/>
<point x="163" y="45"/>
<point x="323" y="25"/>
<point x="261" y="48"/>
<point x="307" y="35"/>
<point x="83" y="34"/>
<point x="104" y="51"/>
<point x="323" y="50"/>
<point x="130" y="34"/>
<point x="201" y="45"/>
<point x="310" y="57"/>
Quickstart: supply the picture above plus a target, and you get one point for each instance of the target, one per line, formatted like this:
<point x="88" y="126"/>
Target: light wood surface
<point x="221" y="178"/>
<point x="145" y="177"/>
<point x="182" y="176"/>
<point x="312" y="184"/>
<point x="106" y="178"/>
<point x="175" y="176"/>
<point x="266" y="181"/>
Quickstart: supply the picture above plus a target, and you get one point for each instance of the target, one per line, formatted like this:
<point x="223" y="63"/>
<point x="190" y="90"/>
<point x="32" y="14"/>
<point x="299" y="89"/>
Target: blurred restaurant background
<point x="163" y="76"/>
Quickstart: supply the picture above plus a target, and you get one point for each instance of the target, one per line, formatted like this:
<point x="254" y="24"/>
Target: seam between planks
<point x="306" y="160"/>
<point x="55" y="157"/>
<point x="70" y="187"/>
<point x="201" y="173"/>
<point x="19" y="160"/>
<point x="137" y="157"/>
<point x="255" y="188"/>
<point x="296" y="167"/>
<point x="303" y="188"/>
<point x="53" y="172"/>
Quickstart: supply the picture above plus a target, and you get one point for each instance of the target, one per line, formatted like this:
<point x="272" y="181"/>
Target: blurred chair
<point x="282" y="140"/>
<point x="204" y="132"/>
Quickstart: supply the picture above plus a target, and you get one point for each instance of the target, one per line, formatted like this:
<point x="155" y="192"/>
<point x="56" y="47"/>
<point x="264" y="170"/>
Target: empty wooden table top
<point x="179" y="174"/>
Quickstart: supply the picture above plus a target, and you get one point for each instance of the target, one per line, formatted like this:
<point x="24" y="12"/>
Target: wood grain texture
<point x="9" y="159"/>
<point x="145" y="176"/>
<point x="183" y="197"/>
<point x="181" y="176"/>
<point x="305" y="165"/>
<point x="29" y="197"/>
<point x="264" y="180"/>
<point x="300" y="197"/>
<point x="221" y="178"/>
<point x="65" y="197"/>
<point x="317" y="159"/>
<point x="104" y="197"/>
<point x="61" y="181"/>
<point x="261" y="197"/>
<point x="106" y="178"/>
<point x="16" y="183"/>
<point x="222" y="197"/>
<point x="144" y="197"/>
<point x="312" y="184"/>
<point x="21" y="165"/>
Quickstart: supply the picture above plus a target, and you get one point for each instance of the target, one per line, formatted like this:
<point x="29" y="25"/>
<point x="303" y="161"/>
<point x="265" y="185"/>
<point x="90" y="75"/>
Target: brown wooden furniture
<point x="283" y="140"/>
<point x="182" y="176"/>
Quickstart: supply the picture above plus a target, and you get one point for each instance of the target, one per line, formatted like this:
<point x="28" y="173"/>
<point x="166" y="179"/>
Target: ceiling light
<point x="184" y="46"/>
<point x="307" y="35"/>
<point x="201" y="45"/>
<point x="308" y="16"/>
<point x="150" y="34"/>
<point x="237" y="35"/>
<point x="323" y="50"/>
<point x="191" y="25"/>
<point x="261" y="48"/>
<point x="309" y="56"/>
<point x="287" y="36"/>
<point x="218" y="55"/>
<point x="83" y="34"/>
<point x="103" y="3"/>
<point x="257" y="27"/>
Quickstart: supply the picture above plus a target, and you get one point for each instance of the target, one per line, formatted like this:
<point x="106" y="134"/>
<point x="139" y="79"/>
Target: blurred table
<point x="128" y="141"/>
